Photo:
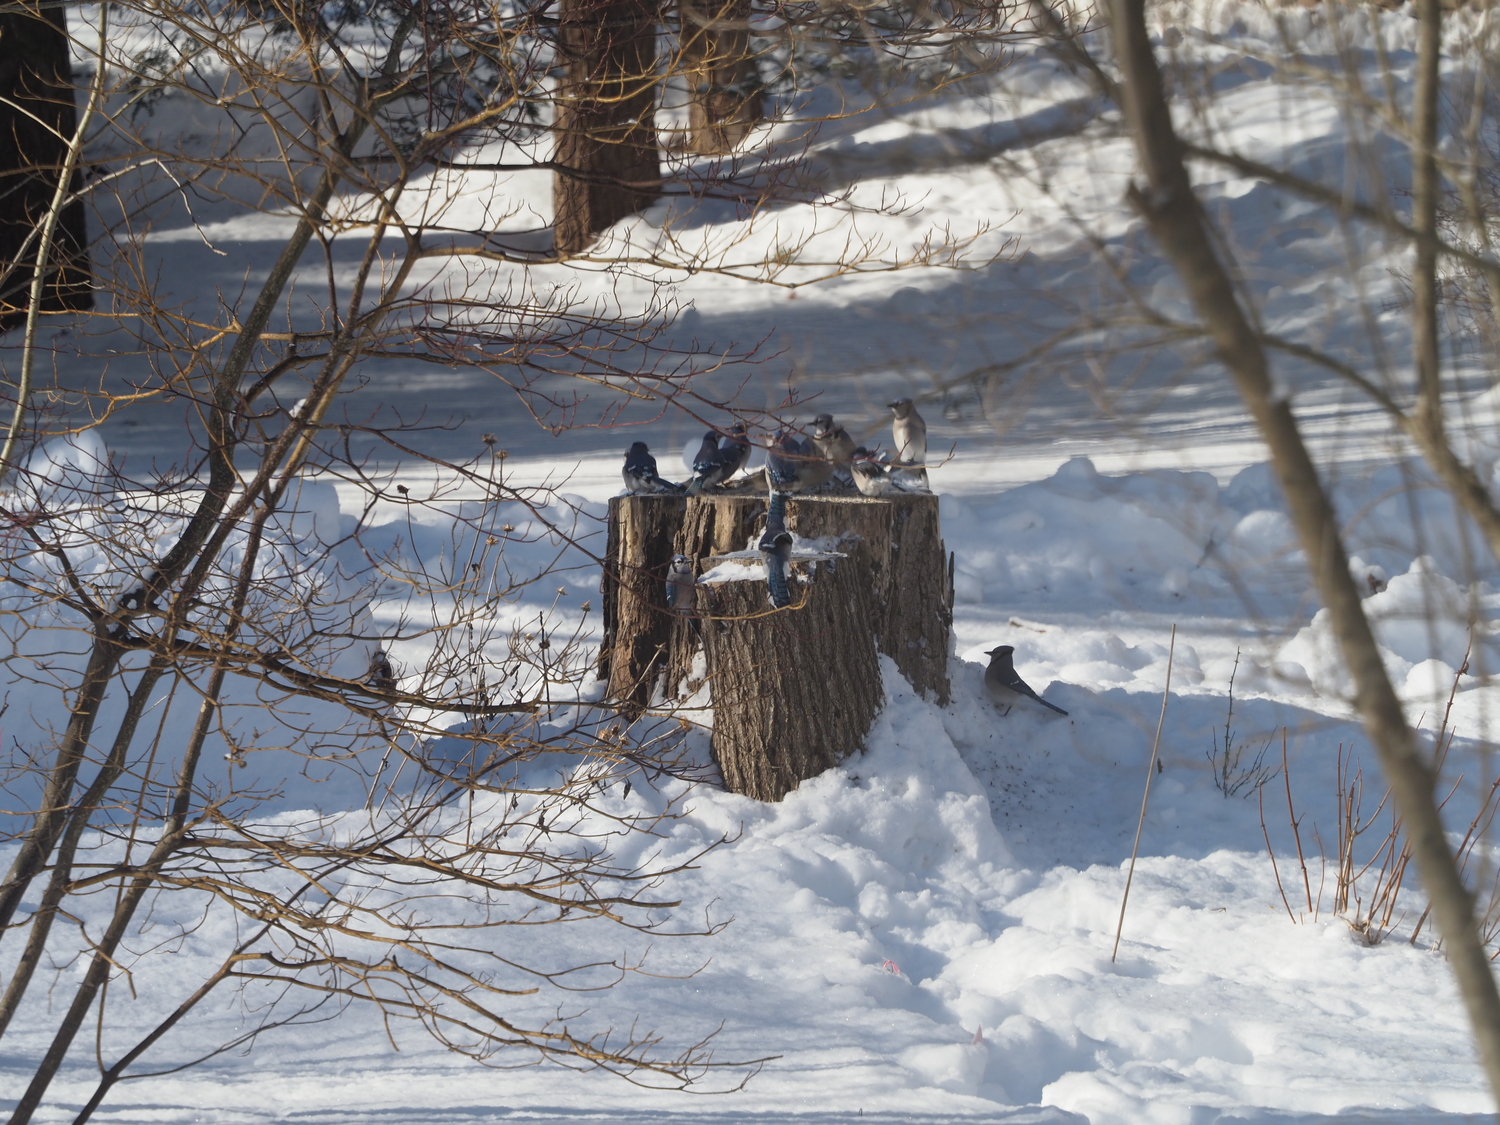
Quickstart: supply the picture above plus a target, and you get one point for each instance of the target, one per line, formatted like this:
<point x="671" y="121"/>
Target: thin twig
<point x="1146" y="796"/>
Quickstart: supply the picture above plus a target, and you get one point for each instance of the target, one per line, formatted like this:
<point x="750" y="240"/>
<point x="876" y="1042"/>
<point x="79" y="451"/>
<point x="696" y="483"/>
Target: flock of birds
<point x="826" y="460"/>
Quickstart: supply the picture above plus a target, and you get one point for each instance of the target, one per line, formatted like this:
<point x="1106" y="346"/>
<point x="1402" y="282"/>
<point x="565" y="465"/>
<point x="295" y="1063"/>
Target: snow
<point x="964" y="873"/>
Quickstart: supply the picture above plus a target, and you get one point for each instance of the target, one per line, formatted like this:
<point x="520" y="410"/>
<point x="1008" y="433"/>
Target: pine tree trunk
<point x="795" y="690"/>
<point x="605" y="127"/>
<point x="36" y="74"/>
<point x="724" y="92"/>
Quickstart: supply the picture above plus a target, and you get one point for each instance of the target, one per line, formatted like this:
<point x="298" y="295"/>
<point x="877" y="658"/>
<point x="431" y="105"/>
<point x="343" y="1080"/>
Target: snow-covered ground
<point x="924" y="933"/>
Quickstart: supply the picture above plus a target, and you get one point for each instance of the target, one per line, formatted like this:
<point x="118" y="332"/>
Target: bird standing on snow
<point x="640" y="472"/>
<point x="909" y="432"/>
<point x="776" y="550"/>
<point x="1004" y="684"/>
<point x="682" y="586"/>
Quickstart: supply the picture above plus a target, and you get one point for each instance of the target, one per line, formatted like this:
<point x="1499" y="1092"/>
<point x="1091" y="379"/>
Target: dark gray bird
<point x="716" y="463"/>
<point x="380" y="676"/>
<point x="735" y="449"/>
<point x="682" y="586"/>
<point x="909" y="433"/>
<point x="640" y="472"/>
<point x="708" y="453"/>
<point x="776" y="550"/>
<point x="1004" y="684"/>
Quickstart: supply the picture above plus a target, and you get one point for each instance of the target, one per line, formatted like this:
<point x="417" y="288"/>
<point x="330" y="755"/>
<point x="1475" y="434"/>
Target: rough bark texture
<point x="795" y="690"/>
<point x="897" y="544"/>
<point x="36" y="74"/>
<point x="606" y="148"/>
<point x="637" y="622"/>
<point x="724" y="90"/>
<point x="714" y="525"/>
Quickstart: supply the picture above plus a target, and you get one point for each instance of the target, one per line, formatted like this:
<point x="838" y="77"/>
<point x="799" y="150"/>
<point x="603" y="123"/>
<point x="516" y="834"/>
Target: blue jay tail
<point x="776" y="586"/>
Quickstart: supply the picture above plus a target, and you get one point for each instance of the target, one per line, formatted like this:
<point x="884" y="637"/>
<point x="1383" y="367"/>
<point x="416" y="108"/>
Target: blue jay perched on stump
<point x="682" y="586"/>
<point x="833" y="444"/>
<point x="776" y="549"/>
<point x="873" y="478"/>
<point x="640" y="472"/>
<point x="1004" y="684"/>
<point x="793" y="465"/>
<point x="909" y="433"/>
<point x="715" y="462"/>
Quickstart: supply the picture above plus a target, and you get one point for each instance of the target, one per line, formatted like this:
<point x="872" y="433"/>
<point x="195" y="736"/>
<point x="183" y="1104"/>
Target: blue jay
<point x="909" y="433"/>
<point x="708" y="453"/>
<point x="776" y="549"/>
<point x="1004" y="684"/>
<point x="682" y="586"/>
<point x="833" y="445"/>
<point x="792" y="465"/>
<point x="734" y="451"/>
<point x="713" y="464"/>
<point x="640" y="472"/>
<point x="872" y="478"/>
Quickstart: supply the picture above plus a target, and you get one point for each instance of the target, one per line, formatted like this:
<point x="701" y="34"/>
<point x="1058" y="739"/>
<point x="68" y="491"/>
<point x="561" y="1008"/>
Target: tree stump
<point x="637" y="623"/>
<point x="796" y="689"/>
<point x="775" y="678"/>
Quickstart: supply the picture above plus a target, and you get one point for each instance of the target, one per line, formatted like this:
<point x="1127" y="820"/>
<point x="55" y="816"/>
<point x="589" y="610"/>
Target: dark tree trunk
<point x="796" y="689"/>
<point x="36" y="73"/>
<point x="637" y="622"/>
<point x="724" y="91"/>
<point x="606" y="150"/>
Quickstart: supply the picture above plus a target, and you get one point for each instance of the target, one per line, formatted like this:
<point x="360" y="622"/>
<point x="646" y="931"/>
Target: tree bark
<point x="637" y="622"/>
<point x="724" y="92"/>
<point x="796" y="689"/>
<point x="895" y="545"/>
<point x="1178" y="225"/>
<point x="606" y="152"/>
<point x="36" y="73"/>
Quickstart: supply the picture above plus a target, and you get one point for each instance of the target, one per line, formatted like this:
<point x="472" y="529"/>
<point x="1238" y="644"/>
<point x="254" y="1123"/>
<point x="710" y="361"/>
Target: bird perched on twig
<point x="833" y="445"/>
<point x="1003" y="682"/>
<point x="776" y="550"/>
<point x="682" y="586"/>
<point x="909" y="433"/>
<point x="380" y="676"/>
<point x="640" y="472"/>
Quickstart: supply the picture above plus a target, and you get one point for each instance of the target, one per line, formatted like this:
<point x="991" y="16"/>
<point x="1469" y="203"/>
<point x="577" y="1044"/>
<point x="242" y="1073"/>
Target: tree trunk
<point x="724" y="91"/>
<point x="36" y="74"/>
<point x="897" y="542"/>
<point x="796" y="689"/>
<point x="637" y="622"/>
<point x="608" y="164"/>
